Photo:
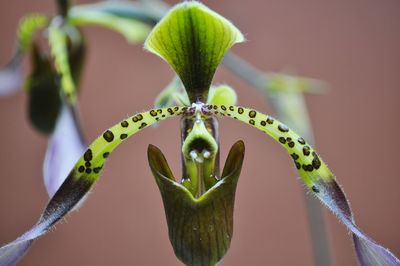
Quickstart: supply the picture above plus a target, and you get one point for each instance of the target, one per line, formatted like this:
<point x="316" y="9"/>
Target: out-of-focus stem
<point x="63" y="6"/>
<point x="291" y="108"/>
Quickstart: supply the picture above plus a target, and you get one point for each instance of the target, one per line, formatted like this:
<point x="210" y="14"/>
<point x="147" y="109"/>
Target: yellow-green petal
<point x="27" y="28"/>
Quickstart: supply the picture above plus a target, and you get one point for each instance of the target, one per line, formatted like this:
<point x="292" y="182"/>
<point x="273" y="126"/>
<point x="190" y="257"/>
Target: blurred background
<point x="353" y="45"/>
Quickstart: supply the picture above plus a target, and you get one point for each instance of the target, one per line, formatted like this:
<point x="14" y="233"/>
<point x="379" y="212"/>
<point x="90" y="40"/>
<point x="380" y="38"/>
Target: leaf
<point x="133" y="30"/>
<point x="193" y="40"/>
<point x="65" y="147"/>
<point x="200" y="229"/>
<point x="317" y="177"/>
<point x="82" y="177"/>
<point x="44" y="102"/>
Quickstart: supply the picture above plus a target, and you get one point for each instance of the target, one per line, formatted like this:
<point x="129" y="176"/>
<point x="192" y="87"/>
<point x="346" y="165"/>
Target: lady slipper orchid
<point x="199" y="208"/>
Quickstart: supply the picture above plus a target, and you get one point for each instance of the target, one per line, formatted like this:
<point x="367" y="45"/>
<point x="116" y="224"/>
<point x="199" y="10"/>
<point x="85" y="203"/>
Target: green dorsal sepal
<point x="193" y="39"/>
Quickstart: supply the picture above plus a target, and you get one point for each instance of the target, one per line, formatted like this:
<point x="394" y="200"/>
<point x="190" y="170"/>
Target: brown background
<point x="352" y="44"/>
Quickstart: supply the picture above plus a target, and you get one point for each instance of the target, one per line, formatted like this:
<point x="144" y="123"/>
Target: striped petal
<point x="82" y="177"/>
<point x="317" y="177"/>
<point x="193" y="40"/>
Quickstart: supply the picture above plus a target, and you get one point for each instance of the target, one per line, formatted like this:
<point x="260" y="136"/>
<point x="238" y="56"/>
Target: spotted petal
<point x="193" y="39"/>
<point x="317" y="177"/>
<point x="82" y="177"/>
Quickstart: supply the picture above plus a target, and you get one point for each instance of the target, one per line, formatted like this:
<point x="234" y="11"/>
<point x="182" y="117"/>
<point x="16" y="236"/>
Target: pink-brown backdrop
<point x="353" y="45"/>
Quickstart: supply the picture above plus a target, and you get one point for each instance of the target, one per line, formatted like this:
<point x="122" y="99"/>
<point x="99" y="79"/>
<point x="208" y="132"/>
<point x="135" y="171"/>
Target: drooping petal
<point x="65" y="147"/>
<point x="193" y="39"/>
<point x="82" y="177"/>
<point x="44" y="103"/>
<point x="317" y="177"/>
<point x="11" y="74"/>
<point x="133" y="30"/>
<point x="10" y="80"/>
<point x="200" y="229"/>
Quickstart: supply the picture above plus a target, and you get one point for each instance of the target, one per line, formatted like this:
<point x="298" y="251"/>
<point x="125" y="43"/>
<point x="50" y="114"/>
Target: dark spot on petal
<point x="294" y="156"/>
<point x="315" y="189"/>
<point x="282" y="140"/>
<point x="143" y="125"/>
<point x="307" y="167"/>
<point x="88" y="170"/>
<point x="123" y="136"/>
<point x="316" y="162"/>
<point x="223" y="107"/>
<point x="252" y="114"/>
<point x="81" y="168"/>
<point x="108" y="136"/>
<point x="290" y="144"/>
<point x="306" y="150"/>
<point x="270" y="120"/>
<point x="137" y="118"/>
<point x="105" y="155"/>
<point x="124" y="124"/>
<point x="263" y="123"/>
<point x="88" y="155"/>
<point x="231" y="108"/>
<point x="283" y="128"/>
<point x="301" y="141"/>
<point x="252" y="122"/>
<point x="240" y="110"/>
<point x="298" y="165"/>
<point x="97" y="170"/>
<point x="88" y="164"/>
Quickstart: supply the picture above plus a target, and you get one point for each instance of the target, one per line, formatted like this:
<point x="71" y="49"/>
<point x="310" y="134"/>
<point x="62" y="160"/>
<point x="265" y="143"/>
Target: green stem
<point x="63" y="7"/>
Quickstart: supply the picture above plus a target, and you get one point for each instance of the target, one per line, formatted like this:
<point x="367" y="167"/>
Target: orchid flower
<point x="52" y="87"/>
<point x="193" y="39"/>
